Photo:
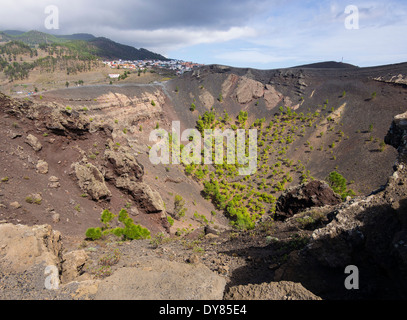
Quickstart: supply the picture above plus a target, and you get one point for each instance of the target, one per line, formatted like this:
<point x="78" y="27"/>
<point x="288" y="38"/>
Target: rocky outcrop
<point x="23" y="247"/>
<point x="206" y="99"/>
<point x="228" y="84"/>
<point x="147" y="199"/>
<point x="73" y="265"/>
<point x="284" y="290"/>
<point x="123" y="169"/>
<point x="156" y="279"/>
<point x="18" y="108"/>
<point x="397" y="136"/>
<point x="66" y="122"/>
<point x="248" y="89"/>
<point x="272" y="97"/>
<point x="122" y="162"/>
<point x="399" y="79"/>
<point x="33" y="266"/>
<point x="314" y="194"/>
<point x="91" y="180"/>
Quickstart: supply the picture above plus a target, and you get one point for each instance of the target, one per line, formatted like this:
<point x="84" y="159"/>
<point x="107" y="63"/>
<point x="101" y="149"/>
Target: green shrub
<point x="106" y="218"/>
<point x="240" y="215"/>
<point x="179" y="209"/>
<point x="170" y="220"/>
<point x="136" y="232"/>
<point x="130" y="231"/>
<point x="339" y="184"/>
<point x="118" y="232"/>
<point x="94" y="233"/>
<point x="29" y="200"/>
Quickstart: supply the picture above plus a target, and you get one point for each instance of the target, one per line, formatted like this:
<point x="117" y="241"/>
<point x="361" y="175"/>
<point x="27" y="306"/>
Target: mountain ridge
<point x="103" y="47"/>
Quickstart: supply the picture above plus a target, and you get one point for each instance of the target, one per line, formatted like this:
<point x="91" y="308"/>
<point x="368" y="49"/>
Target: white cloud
<point x="165" y="40"/>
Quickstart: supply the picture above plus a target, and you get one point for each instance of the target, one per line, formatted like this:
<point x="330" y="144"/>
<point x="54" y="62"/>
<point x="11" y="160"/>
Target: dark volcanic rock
<point x="314" y="194"/>
<point x="397" y="136"/>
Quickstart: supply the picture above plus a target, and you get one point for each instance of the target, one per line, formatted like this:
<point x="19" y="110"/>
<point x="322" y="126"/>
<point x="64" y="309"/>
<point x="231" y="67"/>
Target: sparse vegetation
<point x="170" y="220"/>
<point x="339" y="184"/>
<point x="179" y="207"/>
<point x="220" y="98"/>
<point x="130" y="231"/>
<point x="158" y="240"/>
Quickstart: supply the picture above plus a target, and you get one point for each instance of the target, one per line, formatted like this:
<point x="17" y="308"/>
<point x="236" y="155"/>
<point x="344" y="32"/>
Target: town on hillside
<point x="178" y="66"/>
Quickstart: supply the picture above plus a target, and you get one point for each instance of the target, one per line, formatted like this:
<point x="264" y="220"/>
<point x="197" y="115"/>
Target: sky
<point x="263" y="34"/>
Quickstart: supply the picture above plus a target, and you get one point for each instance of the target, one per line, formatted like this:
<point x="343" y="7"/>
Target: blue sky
<point x="303" y="32"/>
<point x="262" y="34"/>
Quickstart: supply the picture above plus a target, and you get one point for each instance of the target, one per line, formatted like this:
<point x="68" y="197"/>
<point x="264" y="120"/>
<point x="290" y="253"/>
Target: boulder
<point x="13" y="134"/>
<point x="73" y="263"/>
<point x="53" y="182"/>
<point x="56" y="217"/>
<point x="15" y="205"/>
<point x="314" y="194"/>
<point x="283" y="290"/>
<point x="156" y="279"/>
<point x="42" y="167"/>
<point x="34" y="198"/>
<point x="91" y="180"/>
<point x="33" y="142"/>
